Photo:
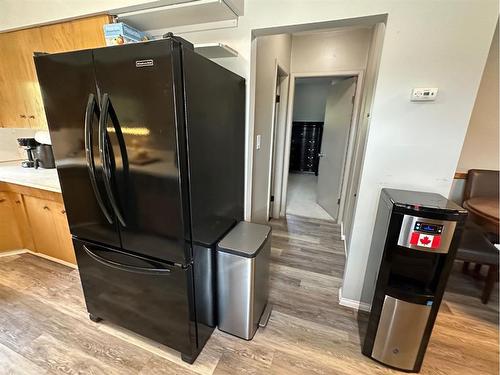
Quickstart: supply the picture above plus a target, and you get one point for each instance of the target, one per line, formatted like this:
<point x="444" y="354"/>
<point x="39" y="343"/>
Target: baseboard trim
<point x="48" y="257"/>
<point x="353" y="304"/>
<point x="342" y="234"/>
<point x="342" y="237"/>
<point x="13" y="252"/>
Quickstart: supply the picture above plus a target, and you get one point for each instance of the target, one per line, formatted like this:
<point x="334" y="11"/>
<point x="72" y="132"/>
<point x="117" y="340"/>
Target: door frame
<point x="278" y="134"/>
<point x="351" y="143"/>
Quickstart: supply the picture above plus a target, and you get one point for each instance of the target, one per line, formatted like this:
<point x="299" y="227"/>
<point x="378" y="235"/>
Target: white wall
<point x="9" y="149"/>
<point x="400" y="130"/>
<point x="328" y="51"/>
<point x="481" y="146"/>
<point x="427" y="43"/>
<point x="354" y="166"/>
<point x="309" y="100"/>
<point x="271" y="50"/>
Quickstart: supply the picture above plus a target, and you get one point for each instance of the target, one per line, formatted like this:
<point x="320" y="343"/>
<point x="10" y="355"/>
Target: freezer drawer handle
<point x="89" y="113"/>
<point x="107" y="110"/>
<point x="125" y="267"/>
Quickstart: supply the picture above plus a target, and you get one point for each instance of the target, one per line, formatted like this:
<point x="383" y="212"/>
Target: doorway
<point x="339" y="52"/>
<point x="322" y="116"/>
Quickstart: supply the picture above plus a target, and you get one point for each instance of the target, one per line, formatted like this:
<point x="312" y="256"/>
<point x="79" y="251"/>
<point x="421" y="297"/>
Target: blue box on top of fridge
<point x="121" y="33"/>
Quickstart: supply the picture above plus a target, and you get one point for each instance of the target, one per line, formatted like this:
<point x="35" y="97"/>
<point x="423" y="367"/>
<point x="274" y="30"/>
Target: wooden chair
<point x="481" y="199"/>
<point x="476" y="248"/>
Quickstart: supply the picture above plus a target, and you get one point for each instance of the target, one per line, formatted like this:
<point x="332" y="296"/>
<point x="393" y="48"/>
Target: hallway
<point x="301" y="197"/>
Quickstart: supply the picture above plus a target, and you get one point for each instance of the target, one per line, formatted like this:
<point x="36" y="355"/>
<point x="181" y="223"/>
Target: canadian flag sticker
<point x="425" y="240"/>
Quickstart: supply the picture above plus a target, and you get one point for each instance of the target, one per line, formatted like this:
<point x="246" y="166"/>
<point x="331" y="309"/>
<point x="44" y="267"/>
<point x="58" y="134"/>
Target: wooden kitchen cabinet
<point x="21" y="102"/>
<point x="19" y="91"/>
<point x="10" y="236"/>
<point x="21" y="219"/>
<point x="34" y="219"/>
<point x="78" y="34"/>
<point x="49" y="228"/>
<point x="67" y="252"/>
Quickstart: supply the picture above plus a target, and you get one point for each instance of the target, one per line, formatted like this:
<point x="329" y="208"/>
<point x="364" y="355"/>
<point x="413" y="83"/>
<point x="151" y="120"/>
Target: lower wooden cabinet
<point x="49" y="228"/>
<point x="10" y="237"/>
<point x="36" y="220"/>
<point x="21" y="219"/>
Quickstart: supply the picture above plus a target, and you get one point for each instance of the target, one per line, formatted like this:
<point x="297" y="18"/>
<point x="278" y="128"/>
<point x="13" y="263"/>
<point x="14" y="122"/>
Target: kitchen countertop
<point x="45" y="179"/>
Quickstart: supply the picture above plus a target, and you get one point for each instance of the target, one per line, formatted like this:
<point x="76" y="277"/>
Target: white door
<point x="338" y="115"/>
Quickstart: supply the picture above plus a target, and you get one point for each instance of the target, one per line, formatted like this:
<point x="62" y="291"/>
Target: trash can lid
<point x="245" y="239"/>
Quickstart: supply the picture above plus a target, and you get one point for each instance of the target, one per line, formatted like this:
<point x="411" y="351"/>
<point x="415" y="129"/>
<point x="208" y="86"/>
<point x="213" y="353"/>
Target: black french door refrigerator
<point x="149" y="147"/>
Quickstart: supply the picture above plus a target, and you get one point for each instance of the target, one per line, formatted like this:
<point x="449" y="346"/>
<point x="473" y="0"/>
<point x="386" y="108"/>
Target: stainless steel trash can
<point x="243" y="278"/>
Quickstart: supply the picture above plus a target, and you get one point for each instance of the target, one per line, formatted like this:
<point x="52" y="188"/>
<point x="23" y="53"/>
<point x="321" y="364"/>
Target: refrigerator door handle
<point x="107" y="110"/>
<point x="125" y="267"/>
<point x="92" y="108"/>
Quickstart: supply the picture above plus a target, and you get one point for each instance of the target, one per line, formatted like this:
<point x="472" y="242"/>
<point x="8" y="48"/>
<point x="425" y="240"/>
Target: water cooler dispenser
<point x="417" y="235"/>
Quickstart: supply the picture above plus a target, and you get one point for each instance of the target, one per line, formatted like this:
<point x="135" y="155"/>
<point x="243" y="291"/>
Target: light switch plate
<point x="257" y="142"/>
<point x="424" y="94"/>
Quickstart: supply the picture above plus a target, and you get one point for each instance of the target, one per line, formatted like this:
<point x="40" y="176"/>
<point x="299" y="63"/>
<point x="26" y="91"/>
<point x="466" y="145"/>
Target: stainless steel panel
<point x="243" y="287"/>
<point x="245" y="238"/>
<point x="399" y="333"/>
<point x="407" y="228"/>
<point x="261" y="282"/>
<point x="235" y="280"/>
<point x="204" y="285"/>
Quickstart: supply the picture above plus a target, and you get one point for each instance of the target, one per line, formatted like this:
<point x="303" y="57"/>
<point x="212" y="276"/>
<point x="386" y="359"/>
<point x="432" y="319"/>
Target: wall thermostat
<point x="424" y="94"/>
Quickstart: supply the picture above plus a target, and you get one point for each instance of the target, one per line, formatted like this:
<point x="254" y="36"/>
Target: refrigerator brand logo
<point x="143" y="63"/>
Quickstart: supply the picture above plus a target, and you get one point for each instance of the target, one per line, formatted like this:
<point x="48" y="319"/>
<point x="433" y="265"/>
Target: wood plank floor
<point x="44" y="328"/>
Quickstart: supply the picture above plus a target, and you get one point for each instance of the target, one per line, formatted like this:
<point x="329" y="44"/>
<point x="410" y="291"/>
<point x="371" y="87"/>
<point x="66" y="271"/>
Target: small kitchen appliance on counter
<point x="40" y="155"/>
<point x="417" y="235"/>
<point x="29" y="144"/>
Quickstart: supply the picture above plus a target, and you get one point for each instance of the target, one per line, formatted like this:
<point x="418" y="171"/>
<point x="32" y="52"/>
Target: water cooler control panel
<point x="424" y="234"/>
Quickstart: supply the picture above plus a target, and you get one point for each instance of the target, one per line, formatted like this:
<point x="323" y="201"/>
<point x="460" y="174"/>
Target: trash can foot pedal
<point x="264" y="318"/>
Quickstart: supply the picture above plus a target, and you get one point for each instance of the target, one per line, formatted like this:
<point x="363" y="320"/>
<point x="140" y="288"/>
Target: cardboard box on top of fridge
<point x="121" y="33"/>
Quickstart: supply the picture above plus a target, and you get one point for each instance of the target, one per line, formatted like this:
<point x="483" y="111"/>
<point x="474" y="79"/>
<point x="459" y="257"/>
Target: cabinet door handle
<point x="46" y="208"/>
<point x="31" y="116"/>
<point x="18" y="201"/>
<point x="63" y="211"/>
<point x="22" y="116"/>
<point x="2" y="200"/>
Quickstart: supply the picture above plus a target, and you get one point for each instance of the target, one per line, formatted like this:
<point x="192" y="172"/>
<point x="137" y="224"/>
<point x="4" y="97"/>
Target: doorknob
<point x="321" y="155"/>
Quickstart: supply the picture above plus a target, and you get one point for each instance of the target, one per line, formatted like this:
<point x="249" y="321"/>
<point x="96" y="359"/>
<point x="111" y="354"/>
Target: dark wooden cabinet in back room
<point x="305" y="147"/>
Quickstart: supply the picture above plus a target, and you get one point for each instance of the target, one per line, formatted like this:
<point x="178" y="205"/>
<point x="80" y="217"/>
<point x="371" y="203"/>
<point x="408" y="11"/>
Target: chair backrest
<point x="481" y="183"/>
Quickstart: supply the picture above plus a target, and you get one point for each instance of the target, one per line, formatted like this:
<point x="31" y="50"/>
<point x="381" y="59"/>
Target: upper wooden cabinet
<point x="78" y="34"/>
<point x="18" y="84"/>
<point x="20" y="98"/>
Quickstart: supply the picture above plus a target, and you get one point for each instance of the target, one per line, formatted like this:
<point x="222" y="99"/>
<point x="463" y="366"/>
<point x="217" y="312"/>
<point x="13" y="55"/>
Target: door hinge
<point x="338" y="201"/>
<point x="353" y="98"/>
<point x="272" y="198"/>
<point x="277" y="98"/>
